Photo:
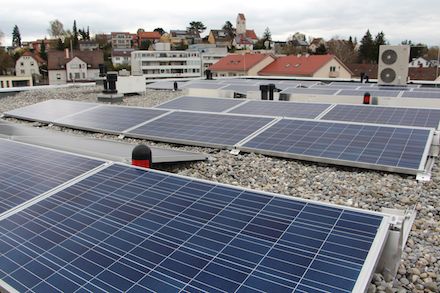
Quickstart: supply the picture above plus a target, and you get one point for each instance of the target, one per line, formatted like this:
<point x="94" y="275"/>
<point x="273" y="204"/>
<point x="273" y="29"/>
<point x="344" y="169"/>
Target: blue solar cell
<point x="110" y="118"/>
<point x="200" y="236"/>
<point x="27" y="171"/>
<point x="385" y="115"/>
<point x="399" y="148"/>
<point x="310" y="91"/>
<point x="373" y="92"/>
<point x="200" y="128"/>
<point x="201" y="104"/>
<point x="422" y="94"/>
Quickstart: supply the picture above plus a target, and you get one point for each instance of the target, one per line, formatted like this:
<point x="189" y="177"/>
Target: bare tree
<point x="342" y="49"/>
<point x="56" y="29"/>
<point x="2" y="35"/>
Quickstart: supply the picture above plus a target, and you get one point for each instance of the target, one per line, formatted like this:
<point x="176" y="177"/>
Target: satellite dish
<point x="388" y="75"/>
<point x="389" y="57"/>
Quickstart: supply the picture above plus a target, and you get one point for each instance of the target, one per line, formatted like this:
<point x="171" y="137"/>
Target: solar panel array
<point x="130" y="230"/>
<point x="201" y="104"/>
<point x="310" y="91"/>
<point x="206" y="129"/>
<point x="111" y="119"/>
<point x="361" y="145"/>
<point x="27" y="171"/>
<point x="283" y="109"/>
<point x="51" y="110"/>
<point x="385" y="115"/>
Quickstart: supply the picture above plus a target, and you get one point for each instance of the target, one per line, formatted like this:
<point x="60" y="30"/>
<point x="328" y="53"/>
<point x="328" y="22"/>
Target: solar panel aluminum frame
<point x="421" y="169"/>
<point x="377" y="246"/>
<point x="191" y="142"/>
<point x="56" y="188"/>
<point x="47" y="121"/>
<point x="107" y="131"/>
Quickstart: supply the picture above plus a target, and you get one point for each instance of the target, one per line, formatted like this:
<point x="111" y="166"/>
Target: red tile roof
<point x="238" y="62"/>
<point x="57" y="59"/>
<point x="294" y="65"/>
<point x="149" y="35"/>
<point x="37" y="57"/>
<point x="251" y="34"/>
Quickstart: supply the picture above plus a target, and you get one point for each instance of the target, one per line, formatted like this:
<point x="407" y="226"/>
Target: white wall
<point x="76" y="70"/>
<point x="57" y="77"/>
<point x="26" y="66"/>
<point x="324" y="72"/>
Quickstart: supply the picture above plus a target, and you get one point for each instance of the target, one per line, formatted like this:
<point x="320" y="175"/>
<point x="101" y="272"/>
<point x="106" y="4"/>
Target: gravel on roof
<point x="419" y="270"/>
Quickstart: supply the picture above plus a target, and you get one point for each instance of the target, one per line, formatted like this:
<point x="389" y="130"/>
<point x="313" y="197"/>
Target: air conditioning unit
<point x="393" y="65"/>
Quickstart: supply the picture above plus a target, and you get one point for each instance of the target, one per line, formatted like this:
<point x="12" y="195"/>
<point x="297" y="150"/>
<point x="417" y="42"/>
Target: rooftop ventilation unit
<point x="393" y="65"/>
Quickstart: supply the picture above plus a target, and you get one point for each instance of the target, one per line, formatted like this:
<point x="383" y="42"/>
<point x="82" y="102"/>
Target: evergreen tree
<point x="75" y="43"/>
<point x="197" y="26"/>
<point x="267" y="37"/>
<point x="43" y="53"/>
<point x="378" y="41"/>
<point x="16" y="37"/>
<point x="229" y="29"/>
<point x="60" y="44"/>
<point x="159" y="30"/>
<point x="88" y="33"/>
<point x="366" y="48"/>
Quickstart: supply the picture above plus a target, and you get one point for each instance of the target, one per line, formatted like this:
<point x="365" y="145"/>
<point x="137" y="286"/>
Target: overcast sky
<point x="418" y="21"/>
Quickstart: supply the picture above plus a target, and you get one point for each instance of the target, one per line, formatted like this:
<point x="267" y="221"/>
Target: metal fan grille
<point x="389" y="57"/>
<point x="388" y="75"/>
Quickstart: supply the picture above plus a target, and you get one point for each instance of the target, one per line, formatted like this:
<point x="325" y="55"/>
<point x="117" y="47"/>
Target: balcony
<point x="333" y="74"/>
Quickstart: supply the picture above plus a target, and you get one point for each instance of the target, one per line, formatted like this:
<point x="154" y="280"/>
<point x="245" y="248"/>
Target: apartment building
<point x="166" y="64"/>
<point x="123" y="40"/>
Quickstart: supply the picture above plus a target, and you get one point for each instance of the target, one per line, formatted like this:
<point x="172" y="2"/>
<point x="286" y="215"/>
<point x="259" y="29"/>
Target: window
<point x="22" y="71"/>
<point x="32" y="63"/>
<point x="21" y="64"/>
<point x="58" y="76"/>
<point x="84" y="75"/>
<point x="77" y="76"/>
<point x="332" y="68"/>
<point x="70" y="75"/>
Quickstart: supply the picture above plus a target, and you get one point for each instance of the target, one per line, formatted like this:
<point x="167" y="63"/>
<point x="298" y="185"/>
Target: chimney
<point x="66" y="53"/>
<point x="307" y="55"/>
<point x="298" y="55"/>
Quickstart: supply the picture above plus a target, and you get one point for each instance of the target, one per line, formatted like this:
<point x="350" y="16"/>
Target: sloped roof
<point x="243" y="40"/>
<point x="369" y="69"/>
<point x="149" y="35"/>
<point x="57" y="59"/>
<point x="251" y="34"/>
<point x="305" y="65"/>
<point x="238" y="62"/>
<point x="37" y="57"/>
<point x="220" y="35"/>
<point x="415" y="73"/>
<point x="317" y="41"/>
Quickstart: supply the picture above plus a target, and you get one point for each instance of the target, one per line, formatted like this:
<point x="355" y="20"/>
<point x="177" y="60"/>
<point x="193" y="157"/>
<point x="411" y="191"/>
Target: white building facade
<point x="26" y="66"/>
<point x="419" y="62"/>
<point x="166" y="64"/>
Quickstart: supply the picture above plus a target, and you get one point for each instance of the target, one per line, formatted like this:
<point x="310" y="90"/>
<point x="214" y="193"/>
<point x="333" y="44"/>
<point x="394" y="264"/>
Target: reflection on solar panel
<point x="420" y="94"/>
<point x="375" y="93"/>
<point x="153" y="232"/>
<point x="112" y="119"/>
<point x="50" y="110"/>
<point x="237" y="81"/>
<point x="283" y="109"/>
<point x="385" y="115"/>
<point x="427" y="89"/>
<point x="200" y="128"/>
<point x="336" y="86"/>
<point x="201" y="104"/>
<point x="375" y="147"/>
<point x="310" y="91"/>
<point x="27" y="171"/>
<point x="203" y="85"/>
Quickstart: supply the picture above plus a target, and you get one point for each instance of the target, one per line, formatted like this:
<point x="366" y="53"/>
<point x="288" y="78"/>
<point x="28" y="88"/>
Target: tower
<point x="241" y="24"/>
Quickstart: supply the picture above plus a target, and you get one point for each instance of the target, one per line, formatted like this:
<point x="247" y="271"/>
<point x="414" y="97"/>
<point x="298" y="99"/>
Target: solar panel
<point x="420" y="94"/>
<point x="201" y="104"/>
<point x="128" y="230"/>
<point x="336" y="86"/>
<point x="218" y="130"/>
<point x="310" y="91"/>
<point x="111" y="119"/>
<point x="203" y="85"/>
<point x="27" y="171"/>
<point x="241" y="88"/>
<point x="385" y="115"/>
<point x="375" y="93"/>
<point x="375" y="147"/>
<point x="50" y="110"/>
<point x="283" y="109"/>
<point x="427" y="89"/>
<point x="238" y="81"/>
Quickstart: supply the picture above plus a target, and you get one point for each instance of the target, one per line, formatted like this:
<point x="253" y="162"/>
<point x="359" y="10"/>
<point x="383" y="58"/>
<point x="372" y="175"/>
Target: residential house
<point x="220" y="38"/>
<point x="315" y="44"/>
<point x="244" y="38"/>
<point x="241" y="64"/>
<point x="36" y="45"/>
<point x="28" y="64"/>
<point x="66" y="66"/>
<point x="8" y="81"/>
<point x="419" y="62"/>
<point x="166" y="64"/>
<point x="88" y="45"/>
<point x="209" y="54"/>
<point x="316" y="66"/>
<point x="179" y="38"/>
<point x="121" y="57"/>
<point x="122" y="40"/>
<point x="147" y="38"/>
